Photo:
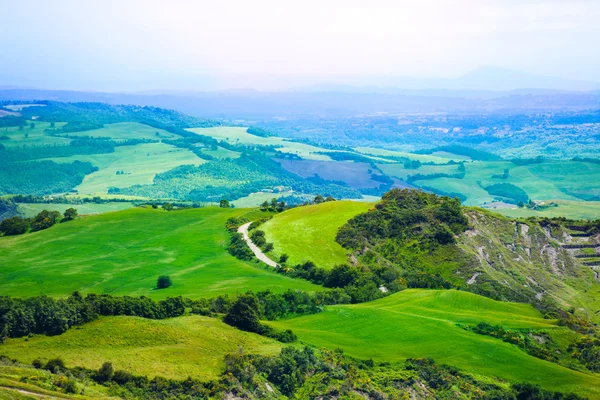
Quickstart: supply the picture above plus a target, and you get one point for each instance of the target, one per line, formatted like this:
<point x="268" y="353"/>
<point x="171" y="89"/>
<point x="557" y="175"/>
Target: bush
<point x="55" y="365"/>
<point x="163" y="282"/>
<point x="283" y="258"/>
<point x="14" y="226"/>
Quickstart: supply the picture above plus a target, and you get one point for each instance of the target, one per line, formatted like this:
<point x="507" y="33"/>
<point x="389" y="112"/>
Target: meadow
<point x="308" y="233"/>
<point x="124" y="252"/>
<point x="173" y="348"/>
<point x="237" y="135"/>
<point x="29" y="210"/>
<point x="423" y="323"/>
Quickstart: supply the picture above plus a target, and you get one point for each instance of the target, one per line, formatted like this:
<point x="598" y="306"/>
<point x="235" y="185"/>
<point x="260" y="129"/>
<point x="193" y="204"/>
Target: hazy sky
<point x="158" y="44"/>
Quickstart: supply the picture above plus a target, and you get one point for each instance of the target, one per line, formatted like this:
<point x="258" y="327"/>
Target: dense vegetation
<point x="293" y="373"/>
<point x="42" y="177"/>
<point x="45" y="315"/>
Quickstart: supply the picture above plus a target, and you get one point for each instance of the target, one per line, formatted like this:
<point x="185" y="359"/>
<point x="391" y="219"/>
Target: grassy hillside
<point x="32" y="209"/>
<point x="124" y="252"/>
<point x="308" y="233"/>
<point x="422" y="323"/>
<point x="173" y="348"/>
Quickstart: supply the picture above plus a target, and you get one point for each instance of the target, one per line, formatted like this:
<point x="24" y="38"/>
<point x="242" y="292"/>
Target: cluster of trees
<point x="246" y="311"/>
<point x="520" y="338"/>
<point x="509" y="191"/>
<point x="257" y="131"/>
<point x="42" y="177"/>
<point x="403" y="215"/>
<point x="43" y="220"/>
<point x="587" y="350"/>
<point x="44" y="315"/>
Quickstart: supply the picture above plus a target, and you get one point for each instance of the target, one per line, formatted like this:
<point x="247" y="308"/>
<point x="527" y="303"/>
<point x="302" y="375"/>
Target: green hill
<point x="124" y="252"/>
<point x="173" y="348"/>
<point x="423" y="323"/>
<point x="308" y="233"/>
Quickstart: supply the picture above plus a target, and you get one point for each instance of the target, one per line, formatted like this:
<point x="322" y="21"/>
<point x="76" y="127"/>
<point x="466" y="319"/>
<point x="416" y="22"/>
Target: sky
<point x="264" y="44"/>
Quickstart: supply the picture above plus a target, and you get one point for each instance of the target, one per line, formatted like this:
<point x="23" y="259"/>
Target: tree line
<point x="43" y="220"/>
<point x="48" y="316"/>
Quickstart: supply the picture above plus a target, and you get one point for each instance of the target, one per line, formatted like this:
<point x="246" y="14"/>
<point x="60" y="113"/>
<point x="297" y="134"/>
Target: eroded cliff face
<point x="529" y="261"/>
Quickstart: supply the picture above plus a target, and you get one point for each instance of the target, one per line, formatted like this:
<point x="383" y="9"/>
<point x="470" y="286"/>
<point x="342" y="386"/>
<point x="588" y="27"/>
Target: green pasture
<point x="423" y="323"/>
<point x="124" y="252"/>
<point x="32" y="137"/>
<point x="139" y="163"/>
<point x="566" y="208"/>
<point x="420" y="157"/>
<point x="398" y="170"/>
<point x="239" y="135"/>
<point x="127" y="130"/>
<point x="308" y="233"/>
<point x="173" y="348"/>
<point x="32" y="209"/>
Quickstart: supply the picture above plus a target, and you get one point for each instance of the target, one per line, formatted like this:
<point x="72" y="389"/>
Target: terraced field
<point x="173" y="348"/>
<point x="308" y="233"/>
<point x="123" y="253"/>
<point x="423" y="323"/>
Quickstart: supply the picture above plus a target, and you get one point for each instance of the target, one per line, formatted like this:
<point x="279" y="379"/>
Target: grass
<point x="423" y="323"/>
<point x="31" y="210"/>
<point x="308" y="233"/>
<point x="124" y="252"/>
<point x="127" y="130"/>
<point x="566" y="208"/>
<point x="32" y="137"/>
<point x="173" y="348"/>
<point x="239" y="135"/>
<point x="139" y="163"/>
<point x="255" y="199"/>
<point x="412" y="156"/>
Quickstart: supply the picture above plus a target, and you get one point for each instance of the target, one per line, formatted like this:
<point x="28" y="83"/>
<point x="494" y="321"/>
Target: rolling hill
<point x="123" y="253"/>
<point x="423" y="323"/>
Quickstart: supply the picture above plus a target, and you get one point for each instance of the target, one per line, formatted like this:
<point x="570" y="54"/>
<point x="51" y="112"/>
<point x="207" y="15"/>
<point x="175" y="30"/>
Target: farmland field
<point x="139" y="165"/>
<point x="239" y="135"/>
<point x="173" y="348"/>
<point x="308" y="233"/>
<point x="123" y="253"/>
<point x="127" y="130"/>
<point x="422" y="323"/>
<point x="356" y="175"/>
<point x="32" y="136"/>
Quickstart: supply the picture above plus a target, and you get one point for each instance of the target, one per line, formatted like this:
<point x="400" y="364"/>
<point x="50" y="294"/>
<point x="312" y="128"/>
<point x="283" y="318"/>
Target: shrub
<point x="163" y="282"/>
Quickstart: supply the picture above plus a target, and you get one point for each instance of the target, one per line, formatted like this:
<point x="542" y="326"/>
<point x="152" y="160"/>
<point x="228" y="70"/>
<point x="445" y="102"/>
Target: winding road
<point x="255" y="249"/>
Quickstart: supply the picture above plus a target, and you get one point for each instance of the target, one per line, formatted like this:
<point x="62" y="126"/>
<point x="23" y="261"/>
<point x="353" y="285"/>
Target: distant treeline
<point x="45" y="315"/>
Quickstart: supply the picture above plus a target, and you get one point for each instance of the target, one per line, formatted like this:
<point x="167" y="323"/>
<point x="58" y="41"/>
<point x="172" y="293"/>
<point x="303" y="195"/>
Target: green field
<point x="127" y="130"/>
<point x="235" y="135"/>
<point x="31" y="210"/>
<point x="139" y="163"/>
<point x="566" y="208"/>
<point x="420" y="157"/>
<point x="422" y="323"/>
<point x="308" y="233"/>
<point x="123" y="253"/>
<point x="172" y="348"/>
<point x="551" y="180"/>
<point x="32" y="137"/>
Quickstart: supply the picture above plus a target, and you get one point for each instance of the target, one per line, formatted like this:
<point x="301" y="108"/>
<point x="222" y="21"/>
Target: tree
<point x="283" y="258"/>
<point x="167" y="206"/>
<point x="14" y="226"/>
<point x="163" y="282"/>
<point x="105" y="373"/>
<point x="32" y="125"/>
<point x="318" y="199"/>
<point x="70" y="214"/>
<point x="224" y="203"/>
<point x="52" y="124"/>
<point x="44" y="220"/>
<point x="268" y="247"/>
<point x="245" y="314"/>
